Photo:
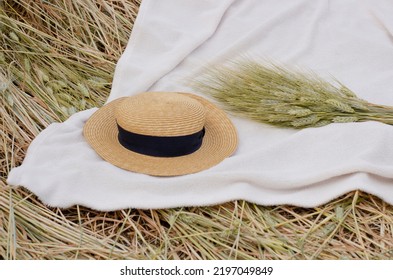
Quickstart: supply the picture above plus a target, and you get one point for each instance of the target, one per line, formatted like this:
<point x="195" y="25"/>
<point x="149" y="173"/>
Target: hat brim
<point x="219" y="142"/>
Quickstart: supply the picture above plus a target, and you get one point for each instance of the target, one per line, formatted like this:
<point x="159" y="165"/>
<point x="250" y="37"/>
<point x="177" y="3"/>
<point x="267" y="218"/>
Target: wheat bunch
<point x="287" y="98"/>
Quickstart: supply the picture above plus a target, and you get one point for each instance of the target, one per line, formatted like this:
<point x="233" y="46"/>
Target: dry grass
<point x="58" y="57"/>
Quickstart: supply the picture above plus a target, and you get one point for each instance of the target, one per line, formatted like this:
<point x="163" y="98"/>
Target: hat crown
<point x="161" y="114"/>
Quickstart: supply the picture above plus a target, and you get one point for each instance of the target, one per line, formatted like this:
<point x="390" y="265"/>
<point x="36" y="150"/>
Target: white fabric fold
<point x="161" y="38"/>
<point x="171" y="43"/>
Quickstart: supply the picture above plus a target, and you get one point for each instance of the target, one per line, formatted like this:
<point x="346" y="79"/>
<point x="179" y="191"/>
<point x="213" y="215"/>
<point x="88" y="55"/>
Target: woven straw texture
<point x="162" y="114"/>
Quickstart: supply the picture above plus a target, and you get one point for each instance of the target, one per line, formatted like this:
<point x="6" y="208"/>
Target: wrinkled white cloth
<point x="171" y="42"/>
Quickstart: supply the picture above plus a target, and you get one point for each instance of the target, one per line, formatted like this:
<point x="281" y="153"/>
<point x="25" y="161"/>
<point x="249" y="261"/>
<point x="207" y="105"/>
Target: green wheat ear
<point x="273" y="94"/>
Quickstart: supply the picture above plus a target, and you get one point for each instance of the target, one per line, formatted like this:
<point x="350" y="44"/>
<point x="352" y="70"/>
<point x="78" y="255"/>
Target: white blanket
<point x="171" y="42"/>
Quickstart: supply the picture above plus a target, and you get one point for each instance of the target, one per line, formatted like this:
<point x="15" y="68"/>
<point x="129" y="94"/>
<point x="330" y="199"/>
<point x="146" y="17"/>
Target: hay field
<point x="58" y="57"/>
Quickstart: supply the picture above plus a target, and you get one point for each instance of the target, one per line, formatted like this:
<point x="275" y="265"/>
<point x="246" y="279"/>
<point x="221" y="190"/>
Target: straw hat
<point x="161" y="133"/>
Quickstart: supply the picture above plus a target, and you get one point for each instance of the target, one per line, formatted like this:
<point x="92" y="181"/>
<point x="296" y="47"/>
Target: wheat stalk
<point x="282" y="97"/>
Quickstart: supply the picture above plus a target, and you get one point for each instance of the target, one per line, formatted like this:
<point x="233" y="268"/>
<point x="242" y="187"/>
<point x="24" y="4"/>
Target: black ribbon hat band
<point x="161" y="146"/>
